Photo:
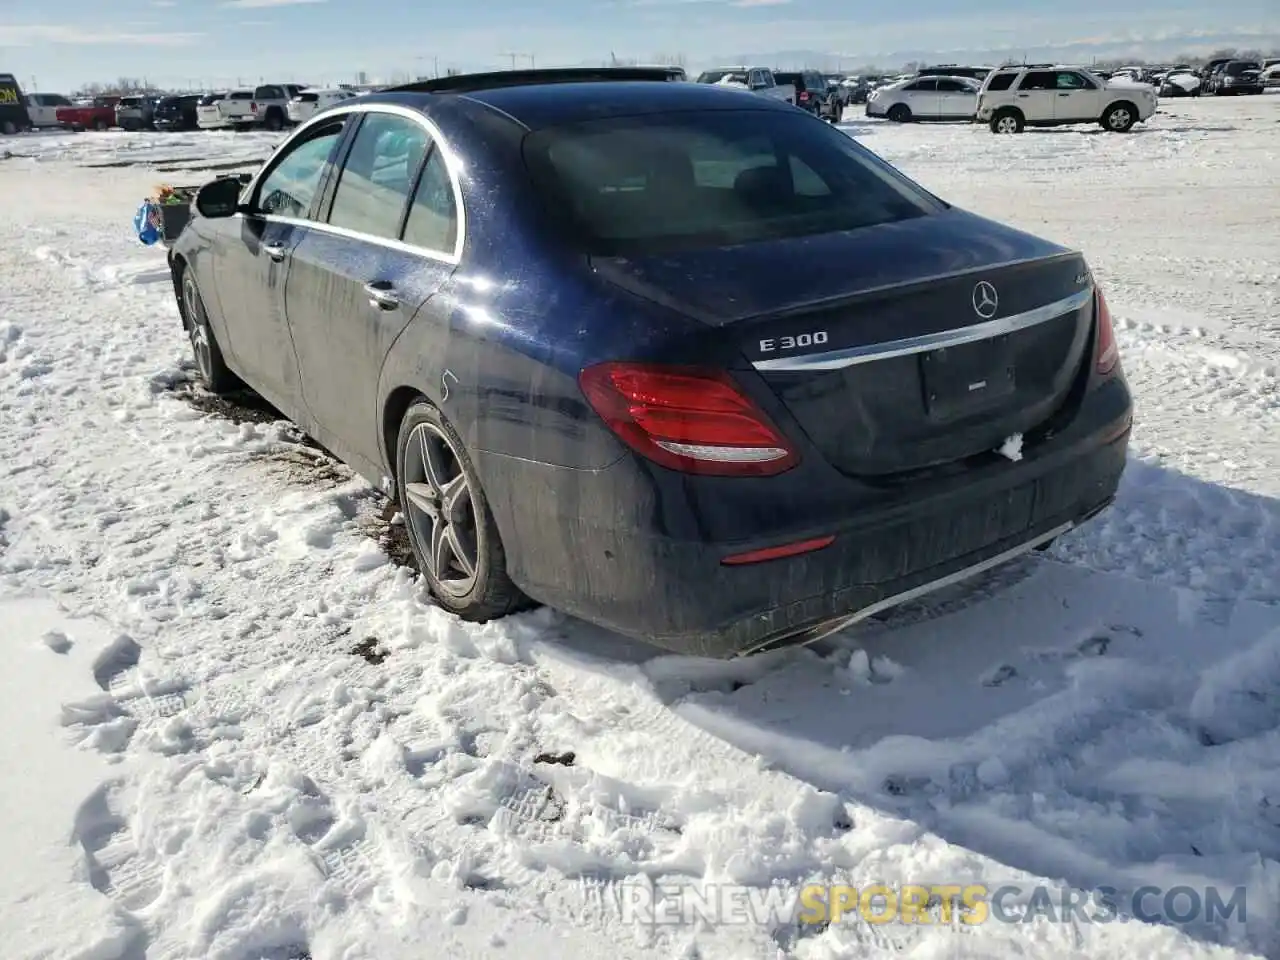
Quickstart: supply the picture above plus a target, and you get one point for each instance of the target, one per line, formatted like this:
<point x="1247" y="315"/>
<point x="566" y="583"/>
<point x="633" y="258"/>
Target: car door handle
<point x="274" y="250"/>
<point x="382" y="295"/>
<point x="1064" y="94"/>
<point x="1024" y="95"/>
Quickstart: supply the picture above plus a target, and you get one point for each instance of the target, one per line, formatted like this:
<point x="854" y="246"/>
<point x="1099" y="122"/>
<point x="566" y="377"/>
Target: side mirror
<point x="219" y="198"/>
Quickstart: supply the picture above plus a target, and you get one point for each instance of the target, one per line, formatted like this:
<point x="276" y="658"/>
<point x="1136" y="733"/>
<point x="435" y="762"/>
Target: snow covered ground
<point x="233" y="729"/>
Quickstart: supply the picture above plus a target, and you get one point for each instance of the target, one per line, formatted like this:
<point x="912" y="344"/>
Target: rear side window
<point x="378" y="175"/>
<point x="240" y="95"/>
<point x="1001" y="81"/>
<point x="638" y="185"/>
<point x="433" y="218"/>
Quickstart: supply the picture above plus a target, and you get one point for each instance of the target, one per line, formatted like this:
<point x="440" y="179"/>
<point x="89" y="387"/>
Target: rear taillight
<point x="1107" y="354"/>
<point x="253" y="107"/>
<point x="804" y="97"/>
<point x="687" y="418"/>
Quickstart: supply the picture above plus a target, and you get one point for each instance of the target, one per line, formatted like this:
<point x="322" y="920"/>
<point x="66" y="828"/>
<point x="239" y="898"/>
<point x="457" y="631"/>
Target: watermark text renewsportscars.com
<point x="642" y="901"/>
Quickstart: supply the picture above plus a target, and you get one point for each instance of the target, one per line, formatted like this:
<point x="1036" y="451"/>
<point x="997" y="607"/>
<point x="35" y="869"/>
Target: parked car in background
<point x="209" y="115"/>
<point x="954" y="70"/>
<point x="229" y="110"/>
<point x="42" y="108"/>
<point x="1210" y="70"/>
<point x="306" y="103"/>
<point x="269" y="106"/>
<point x="757" y="80"/>
<point x="14" y="116"/>
<point x="1271" y="76"/>
<point x="1237" y="77"/>
<point x="177" y="112"/>
<point x="1044" y="95"/>
<point x="95" y="113"/>
<point x="925" y="98"/>
<point x="810" y="88"/>
<point x="1180" y="83"/>
<point x="135" y="113"/>
<point x="681" y="423"/>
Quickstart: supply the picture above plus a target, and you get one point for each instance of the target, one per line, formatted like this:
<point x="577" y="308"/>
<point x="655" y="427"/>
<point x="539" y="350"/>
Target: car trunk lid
<point x="899" y="347"/>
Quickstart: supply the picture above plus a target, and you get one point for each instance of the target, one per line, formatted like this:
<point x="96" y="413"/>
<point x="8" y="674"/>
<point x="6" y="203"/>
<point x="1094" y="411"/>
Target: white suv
<point x="1048" y="96"/>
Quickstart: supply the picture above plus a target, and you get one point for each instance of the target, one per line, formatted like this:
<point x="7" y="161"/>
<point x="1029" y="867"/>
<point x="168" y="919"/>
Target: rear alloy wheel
<point x="1007" y="122"/>
<point x="214" y="374"/>
<point x="9" y="128"/>
<point x="899" y="113"/>
<point x="1120" y="118"/>
<point x="450" y="528"/>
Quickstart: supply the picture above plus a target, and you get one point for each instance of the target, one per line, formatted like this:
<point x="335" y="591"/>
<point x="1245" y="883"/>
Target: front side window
<point x="1073" y="81"/>
<point x="378" y="175"/>
<point x="648" y="184"/>
<point x="289" y="189"/>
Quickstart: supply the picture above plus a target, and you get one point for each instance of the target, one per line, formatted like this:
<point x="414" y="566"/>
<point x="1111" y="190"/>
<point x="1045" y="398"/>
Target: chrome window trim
<point x="452" y="165"/>
<point x="868" y="353"/>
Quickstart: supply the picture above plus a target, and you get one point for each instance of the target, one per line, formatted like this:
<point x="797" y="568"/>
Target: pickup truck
<point x="96" y="114"/>
<point x="135" y="113"/>
<point x="758" y="80"/>
<point x="14" y="117"/>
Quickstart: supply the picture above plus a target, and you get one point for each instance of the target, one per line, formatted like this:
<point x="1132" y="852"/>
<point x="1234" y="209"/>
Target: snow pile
<point x="238" y="730"/>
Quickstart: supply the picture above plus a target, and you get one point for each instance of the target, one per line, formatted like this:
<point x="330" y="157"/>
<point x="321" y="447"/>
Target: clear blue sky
<point x="215" y="42"/>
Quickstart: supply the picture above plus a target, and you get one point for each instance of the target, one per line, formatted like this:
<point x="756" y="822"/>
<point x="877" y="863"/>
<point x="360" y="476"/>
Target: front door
<point x="255" y="263"/>
<point x="1077" y="99"/>
<point x="389" y="241"/>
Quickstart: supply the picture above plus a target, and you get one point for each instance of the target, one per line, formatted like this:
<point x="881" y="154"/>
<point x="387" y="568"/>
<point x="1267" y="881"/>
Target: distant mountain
<point x="1136" y="48"/>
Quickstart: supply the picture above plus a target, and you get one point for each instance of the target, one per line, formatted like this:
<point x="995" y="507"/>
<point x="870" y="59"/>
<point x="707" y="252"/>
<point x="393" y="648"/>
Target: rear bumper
<point x="615" y="550"/>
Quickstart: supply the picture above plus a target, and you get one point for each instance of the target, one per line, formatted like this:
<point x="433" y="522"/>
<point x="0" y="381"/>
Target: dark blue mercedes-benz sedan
<point x="682" y="361"/>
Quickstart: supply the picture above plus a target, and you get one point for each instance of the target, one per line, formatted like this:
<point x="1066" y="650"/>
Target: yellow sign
<point x="907" y="904"/>
<point x="8" y="95"/>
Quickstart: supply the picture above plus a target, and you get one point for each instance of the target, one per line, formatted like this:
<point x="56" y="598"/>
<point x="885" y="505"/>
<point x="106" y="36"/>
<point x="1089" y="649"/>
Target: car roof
<point x="542" y="105"/>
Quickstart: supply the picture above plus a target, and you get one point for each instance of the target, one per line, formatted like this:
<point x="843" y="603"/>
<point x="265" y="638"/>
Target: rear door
<point x="1036" y="95"/>
<point x="390" y="241"/>
<point x="255" y="261"/>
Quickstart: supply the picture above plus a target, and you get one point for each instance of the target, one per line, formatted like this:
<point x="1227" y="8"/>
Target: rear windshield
<point x="309" y="97"/>
<point x="240" y="95"/>
<point x="131" y="101"/>
<point x="1240" y="66"/>
<point x="212" y="98"/>
<point x="648" y="184"/>
<point x="169" y="102"/>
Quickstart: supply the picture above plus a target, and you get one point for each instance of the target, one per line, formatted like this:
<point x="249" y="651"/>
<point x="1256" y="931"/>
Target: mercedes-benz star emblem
<point x="985" y="300"/>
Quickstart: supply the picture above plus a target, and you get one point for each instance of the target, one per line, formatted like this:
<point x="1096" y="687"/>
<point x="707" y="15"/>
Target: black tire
<point x="1119" y="117"/>
<point x="101" y="125"/>
<point x="490" y="593"/>
<point x="1008" y="121"/>
<point x="274" y="120"/>
<point x="210" y="365"/>
<point x="899" y="113"/>
<point x="9" y="128"/>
